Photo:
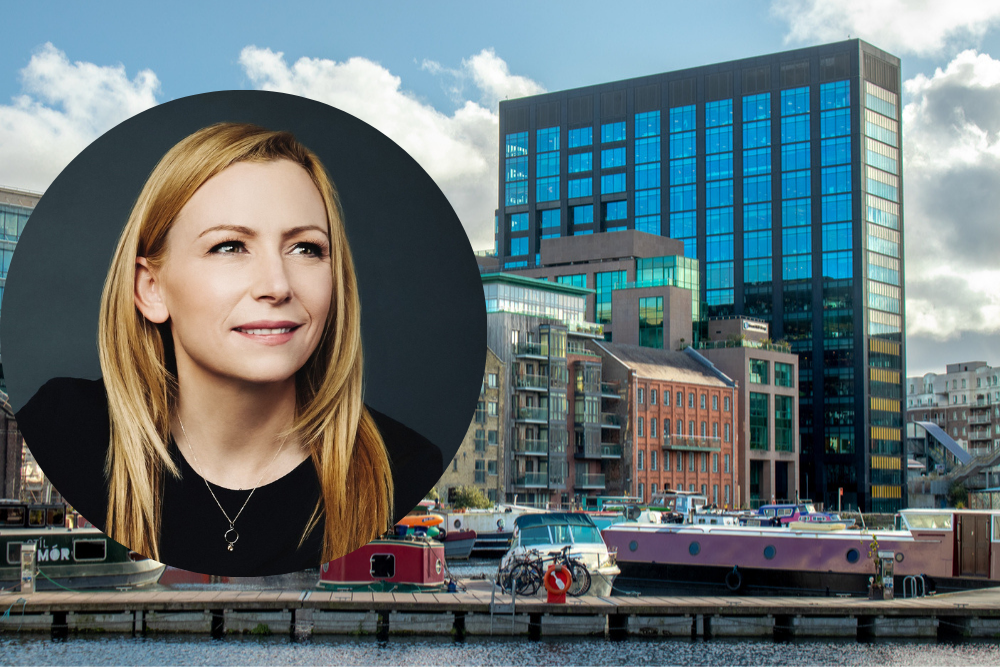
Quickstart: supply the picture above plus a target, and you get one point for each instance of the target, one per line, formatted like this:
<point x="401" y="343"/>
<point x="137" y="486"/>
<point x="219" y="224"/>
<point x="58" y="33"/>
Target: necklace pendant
<point x="235" y="536"/>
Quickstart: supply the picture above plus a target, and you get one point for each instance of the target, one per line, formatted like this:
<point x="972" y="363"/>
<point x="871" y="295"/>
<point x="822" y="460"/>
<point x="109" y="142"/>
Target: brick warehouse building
<point x="681" y="420"/>
<point x="781" y="175"/>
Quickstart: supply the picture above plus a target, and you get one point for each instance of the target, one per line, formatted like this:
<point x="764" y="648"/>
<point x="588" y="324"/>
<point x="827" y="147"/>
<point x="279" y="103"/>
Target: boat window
<point x="14" y="553"/>
<point x="57" y="517"/>
<point x="87" y="550"/>
<point x="786" y="511"/>
<point x="769" y="511"/>
<point x="12" y="516"/>
<point x="586" y="535"/>
<point x="810" y="508"/>
<point x="383" y="566"/>
<point x="996" y="528"/>
<point x="561" y="535"/>
<point x="36" y="517"/>
<point x="928" y="520"/>
<point x="535" y="535"/>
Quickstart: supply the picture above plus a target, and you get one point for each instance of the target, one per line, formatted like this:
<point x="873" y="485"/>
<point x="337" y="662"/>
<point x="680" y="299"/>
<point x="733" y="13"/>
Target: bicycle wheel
<point x="525" y="579"/>
<point x="581" y="579"/>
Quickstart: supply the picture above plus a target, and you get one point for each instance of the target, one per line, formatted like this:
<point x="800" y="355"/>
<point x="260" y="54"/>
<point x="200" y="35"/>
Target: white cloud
<point x="920" y="27"/>
<point x="951" y="148"/>
<point x="63" y="108"/>
<point x="459" y="150"/>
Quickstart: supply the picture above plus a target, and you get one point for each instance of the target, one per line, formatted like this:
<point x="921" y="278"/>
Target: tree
<point x="958" y="495"/>
<point x="469" y="497"/>
<point x="433" y="495"/>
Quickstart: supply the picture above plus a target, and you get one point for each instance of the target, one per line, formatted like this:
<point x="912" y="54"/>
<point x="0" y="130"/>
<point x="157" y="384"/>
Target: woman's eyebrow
<point x="239" y="229"/>
<point x="295" y="231"/>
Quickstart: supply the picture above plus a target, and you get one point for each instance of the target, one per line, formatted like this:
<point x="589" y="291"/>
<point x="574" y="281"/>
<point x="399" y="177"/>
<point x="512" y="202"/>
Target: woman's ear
<point x="148" y="299"/>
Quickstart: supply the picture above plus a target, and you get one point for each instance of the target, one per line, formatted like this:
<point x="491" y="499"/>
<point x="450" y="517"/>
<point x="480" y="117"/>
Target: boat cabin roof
<point x="554" y="518"/>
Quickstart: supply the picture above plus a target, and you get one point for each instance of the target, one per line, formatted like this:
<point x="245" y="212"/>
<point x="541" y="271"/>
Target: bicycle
<point x="526" y="574"/>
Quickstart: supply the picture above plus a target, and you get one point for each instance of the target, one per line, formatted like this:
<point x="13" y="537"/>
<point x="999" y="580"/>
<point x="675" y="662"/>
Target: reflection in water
<point x="243" y="651"/>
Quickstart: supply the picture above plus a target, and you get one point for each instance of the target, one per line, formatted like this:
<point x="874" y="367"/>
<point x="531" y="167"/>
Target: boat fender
<point x="734" y="579"/>
<point x="499" y="525"/>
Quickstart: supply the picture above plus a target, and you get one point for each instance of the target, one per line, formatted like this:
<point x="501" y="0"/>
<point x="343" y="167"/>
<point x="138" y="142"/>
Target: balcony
<point x="612" y="390"/>
<point x="779" y="346"/>
<point x="692" y="443"/>
<point x="532" y="382"/>
<point x="577" y="348"/>
<point x="980" y="419"/>
<point x="531" y="447"/>
<point x="532" y="415"/>
<point x="585" y="329"/>
<point x="980" y="434"/>
<point x="611" y="451"/>
<point x="533" y="480"/>
<point x="531" y="350"/>
<point x="589" y="481"/>
<point x="609" y="420"/>
<point x="980" y="402"/>
<point x="588" y="451"/>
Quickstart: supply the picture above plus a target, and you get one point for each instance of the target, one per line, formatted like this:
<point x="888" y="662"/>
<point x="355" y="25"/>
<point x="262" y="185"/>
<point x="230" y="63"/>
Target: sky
<point x="430" y="75"/>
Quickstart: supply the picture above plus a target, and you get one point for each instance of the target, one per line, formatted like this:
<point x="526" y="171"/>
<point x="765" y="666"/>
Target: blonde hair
<point x="347" y="451"/>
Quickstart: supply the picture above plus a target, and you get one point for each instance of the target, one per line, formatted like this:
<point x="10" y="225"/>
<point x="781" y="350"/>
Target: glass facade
<point x="788" y="193"/>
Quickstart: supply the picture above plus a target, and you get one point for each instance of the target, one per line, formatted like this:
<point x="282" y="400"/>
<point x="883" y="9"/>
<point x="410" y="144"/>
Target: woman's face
<point x="246" y="281"/>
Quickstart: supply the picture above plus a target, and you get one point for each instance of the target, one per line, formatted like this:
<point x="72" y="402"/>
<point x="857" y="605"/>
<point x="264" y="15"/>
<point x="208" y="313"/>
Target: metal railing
<point x="573" y="347"/>
<point x="532" y="414"/>
<point x="531" y="446"/>
<point x="610" y="420"/>
<point x="611" y="451"/>
<point x="590" y="481"/>
<point x="530" y="349"/>
<point x="691" y="442"/>
<point x="779" y="346"/>
<point x="540" y="479"/>
<point x="531" y="381"/>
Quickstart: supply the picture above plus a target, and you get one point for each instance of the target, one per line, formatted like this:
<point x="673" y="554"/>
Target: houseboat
<point x="950" y="549"/>
<point x="74" y="558"/>
<point x="494" y="527"/>
<point x="390" y="564"/>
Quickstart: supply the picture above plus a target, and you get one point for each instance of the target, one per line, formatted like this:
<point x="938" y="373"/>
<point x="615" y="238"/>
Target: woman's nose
<point x="271" y="281"/>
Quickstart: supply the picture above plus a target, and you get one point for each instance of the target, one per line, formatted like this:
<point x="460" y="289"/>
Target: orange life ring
<point x="557" y="579"/>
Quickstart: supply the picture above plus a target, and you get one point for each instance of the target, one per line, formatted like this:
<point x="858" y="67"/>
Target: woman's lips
<point x="268" y="332"/>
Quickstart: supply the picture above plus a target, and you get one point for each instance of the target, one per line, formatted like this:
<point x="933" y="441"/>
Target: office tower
<point x="781" y="175"/>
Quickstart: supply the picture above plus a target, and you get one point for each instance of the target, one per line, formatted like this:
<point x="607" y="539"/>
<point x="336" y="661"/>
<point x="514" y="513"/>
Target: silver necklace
<point x="235" y="536"/>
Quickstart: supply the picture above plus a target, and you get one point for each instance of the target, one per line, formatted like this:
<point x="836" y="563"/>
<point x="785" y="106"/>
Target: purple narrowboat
<point x="950" y="549"/>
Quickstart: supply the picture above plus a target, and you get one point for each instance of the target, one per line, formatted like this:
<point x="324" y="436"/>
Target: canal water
<point x="251" y="650"/>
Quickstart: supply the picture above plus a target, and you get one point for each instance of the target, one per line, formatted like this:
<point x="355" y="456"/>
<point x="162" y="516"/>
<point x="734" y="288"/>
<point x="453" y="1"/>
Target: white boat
<point x="551" y="532"/>
<point x="494" y="527"/>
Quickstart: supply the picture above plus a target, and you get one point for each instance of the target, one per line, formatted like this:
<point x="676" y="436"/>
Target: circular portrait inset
<point x="243" y="333"/>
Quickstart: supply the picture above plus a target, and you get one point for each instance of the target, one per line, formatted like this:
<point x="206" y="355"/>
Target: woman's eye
<point x="228" y="247"/>
<point x="310" y="249"/>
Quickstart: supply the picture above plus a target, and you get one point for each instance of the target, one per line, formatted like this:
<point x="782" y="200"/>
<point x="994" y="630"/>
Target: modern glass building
<point x="15" y="207"/>
<point x="782" y="176"/>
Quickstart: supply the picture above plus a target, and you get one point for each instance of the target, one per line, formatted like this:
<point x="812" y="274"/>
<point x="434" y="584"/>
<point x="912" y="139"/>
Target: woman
<point x="237" y="441"/>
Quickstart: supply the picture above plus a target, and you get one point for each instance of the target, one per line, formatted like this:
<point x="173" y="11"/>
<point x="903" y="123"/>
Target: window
<point x="726" y="462"/>
<point x="704" y="429"/>
<point x="643" y="497"/>
<point x="612" y="132"/>
<point x="666" y="428"/>
<point x="704" y="463"/>
<point x="481" y="412"/>
<point x="715" y="466"/>
<point x="704" y="401"/>
<point x="715" y="429"/>
<point x="725" y="404"/>
<point x="491" y="468"/>
<point x="691" y="462"/>
<point x="549" y="218"/>
<point x="491" y="380"/>
<point x="783" y="375"/>
<point x="642" y="394"/>
<point x="715" y="402"/>
<point x="680" y="399"/>
<point x="725" y="432"/>
<point x="491" y="438"/>
<point x="680" y="461"/>
<point x="690" y="400"/>
<point x="581" y="187"/>
<point x="783" y="434"/>
<point x="652" y="397"/>
<point x="492" y="405"/>
<point x="640" y="427"/>
<point x="666" y="398"/>
<point x="639" y="456"/>
<point x="480" y="440"/>
<point x="666" y="461"/>
<point x="758" y="371"/>
<point x="519" y="246"/>
<point x="652" y="430"/>
<point x="583" y="136"/>
<point x="652" y="460"/>
<point x="691" y="428"/>
<point x="758" y="408"/>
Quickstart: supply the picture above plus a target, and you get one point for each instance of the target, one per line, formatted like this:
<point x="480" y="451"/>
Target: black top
<point x="66" y="425"/>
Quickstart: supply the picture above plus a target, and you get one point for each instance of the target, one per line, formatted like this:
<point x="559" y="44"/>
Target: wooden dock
<point x="478" y="612"/>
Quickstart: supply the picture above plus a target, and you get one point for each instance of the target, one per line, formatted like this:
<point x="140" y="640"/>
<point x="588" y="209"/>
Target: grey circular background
<point x="422" y="306"/>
